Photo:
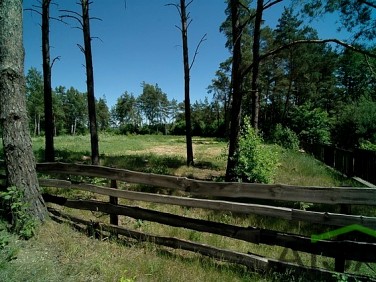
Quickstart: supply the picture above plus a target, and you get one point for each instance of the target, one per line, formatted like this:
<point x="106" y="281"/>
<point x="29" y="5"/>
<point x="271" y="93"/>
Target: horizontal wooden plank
<point x="251" y="261"/>
<point x="310" y="194"/>
<point x="364" y="182"/>
<point x="279" y="212"/>
<point x="358" y="251"/>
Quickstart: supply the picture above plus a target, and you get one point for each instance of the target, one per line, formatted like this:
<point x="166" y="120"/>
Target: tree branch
<point x="271" y="3"/>
<point x="308" y="41"/>
<point x="203" y="38"/>
<point x="368" y="3"/>
<point x="81" y="48"/>
<point x="95" y="18"/>
<point x="79" y="19"/>
<point x="370" y="66"/>
<point x="176" y="6"/>
<point x="55" y="59"/>
<point x="33" y="10"/>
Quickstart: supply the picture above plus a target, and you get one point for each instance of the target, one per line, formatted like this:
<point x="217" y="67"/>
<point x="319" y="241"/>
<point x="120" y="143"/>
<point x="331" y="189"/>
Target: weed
<point x="256" y="162"/>
<point x="13" y="203"/>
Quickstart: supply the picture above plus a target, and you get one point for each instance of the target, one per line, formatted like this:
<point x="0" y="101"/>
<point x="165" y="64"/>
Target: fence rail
<point x="204" y="195"/>
<point x="361" y="163"/>
<point x="341" y="250"/>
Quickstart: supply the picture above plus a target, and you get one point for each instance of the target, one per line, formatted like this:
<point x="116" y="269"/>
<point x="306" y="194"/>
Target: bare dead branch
<point x="189" y="23"/>
<point x="271" y="3"/>
<point x="95" y="18"/>
<point x="79" y="19"/>
<point x="179" y="28"/>
<point x="96" y="37"/>
<point x="81" y="48"/>
<point x="54" y="60"/>
<point x="203" y="38"/>
<point x="33" y="11"/>
<point x="71" y="12"/>
<point x="190" y="2"/>
<point x="177" y="6"/>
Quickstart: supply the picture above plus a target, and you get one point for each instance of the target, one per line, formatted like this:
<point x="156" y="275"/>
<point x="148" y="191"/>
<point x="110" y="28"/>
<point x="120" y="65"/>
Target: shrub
<point x="367" y="145"/>
<point x="256" y="161"/>
<point x="13" y="207"/>
<point x="285" y="137"/>
<point x="312" y="124"/>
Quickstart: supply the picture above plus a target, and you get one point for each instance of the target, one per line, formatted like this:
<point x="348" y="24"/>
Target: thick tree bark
<point x="19" y="158"/>
<point x="90" y="83"/>
<point x="49" y="154"/>
<point x="236" y="92"/>
<point x="188" y="125"/>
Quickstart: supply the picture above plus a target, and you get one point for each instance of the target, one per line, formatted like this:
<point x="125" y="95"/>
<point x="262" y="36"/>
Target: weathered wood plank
<point x="279" y="212"/>
<point x="252" y="261"/>
<point x="334" y="195"/>
<point x="358" y="251"/>
<point x="364" y="182"/>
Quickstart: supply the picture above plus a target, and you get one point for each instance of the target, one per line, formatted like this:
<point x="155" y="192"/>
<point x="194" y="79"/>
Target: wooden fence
<point x="361" y="163"/>
<point x="234" y="197"/>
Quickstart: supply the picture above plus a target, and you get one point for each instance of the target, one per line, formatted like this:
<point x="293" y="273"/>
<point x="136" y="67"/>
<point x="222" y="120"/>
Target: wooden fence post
<point x="114" y="218"/>
<point x="339" y="262"/>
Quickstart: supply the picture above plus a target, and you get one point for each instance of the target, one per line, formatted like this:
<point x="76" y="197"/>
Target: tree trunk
<point x="256" y="65"/>
<point x="38" y="125"/>
<point x="188" y="124"/>
<point x="18" y="153"/>
<point x="237" y="94"/>
<point x="90" y="84"/>
<point x="49" y="154"/>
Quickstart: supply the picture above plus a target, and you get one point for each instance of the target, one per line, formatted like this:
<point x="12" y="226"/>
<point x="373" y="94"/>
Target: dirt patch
<point x="166" y="150"/>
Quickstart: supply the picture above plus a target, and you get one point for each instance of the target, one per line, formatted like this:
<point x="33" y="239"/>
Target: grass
<point x="59" y="253"/>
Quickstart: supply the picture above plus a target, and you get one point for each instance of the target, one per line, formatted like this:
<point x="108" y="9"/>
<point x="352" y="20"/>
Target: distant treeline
<point x="319" y="94"/>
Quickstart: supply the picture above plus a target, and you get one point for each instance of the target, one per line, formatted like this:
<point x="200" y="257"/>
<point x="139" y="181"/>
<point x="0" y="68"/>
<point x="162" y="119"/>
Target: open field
<point x="166" y="155"/>
<point x="58" y="253"/>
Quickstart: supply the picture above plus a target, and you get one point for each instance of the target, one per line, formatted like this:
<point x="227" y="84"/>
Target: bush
<point x="256" y="161"/>
<point x="312" y="124"/>
<point x="285" y="137"/>
<point x="17" y="212"/>
<point x="367" y="145"/>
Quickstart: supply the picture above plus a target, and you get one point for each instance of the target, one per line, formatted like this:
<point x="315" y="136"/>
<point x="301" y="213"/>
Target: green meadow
<point x="59" y="253"/>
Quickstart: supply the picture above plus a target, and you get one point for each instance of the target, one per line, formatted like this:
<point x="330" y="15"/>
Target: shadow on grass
<point x="150" y="163"/>
<point x="65" y="156"/>
<point x="145" y="162"/>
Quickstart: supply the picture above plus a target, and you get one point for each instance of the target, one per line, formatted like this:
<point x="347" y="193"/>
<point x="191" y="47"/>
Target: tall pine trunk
<point x="19" y="158"/>
<point x="187" y="101"/>
<point x="256" y="65"/>
<point x="236" y="81"/>
<point x="49" y="154"/>
<point x="90" y="83"/>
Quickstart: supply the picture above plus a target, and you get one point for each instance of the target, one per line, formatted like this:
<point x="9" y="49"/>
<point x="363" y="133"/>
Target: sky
<point x="138" y="41"/>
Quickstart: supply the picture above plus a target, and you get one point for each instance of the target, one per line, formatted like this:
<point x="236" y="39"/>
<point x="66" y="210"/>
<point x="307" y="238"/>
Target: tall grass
<point x="58" y="253"/>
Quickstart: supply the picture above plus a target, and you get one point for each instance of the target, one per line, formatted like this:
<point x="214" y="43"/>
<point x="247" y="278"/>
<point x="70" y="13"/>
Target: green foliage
<point x="311" y="123"/>
<point x="355" y="124"/>
<point x="285" y="137"/>
<point x="256" y="161"/>
<point x="8" y="251"/>
<point x="367" y="145"/>
<point x="13" y="206"/>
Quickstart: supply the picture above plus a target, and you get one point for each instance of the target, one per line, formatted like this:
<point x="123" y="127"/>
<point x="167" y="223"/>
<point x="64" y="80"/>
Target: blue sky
<point x="138" y="42"/>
